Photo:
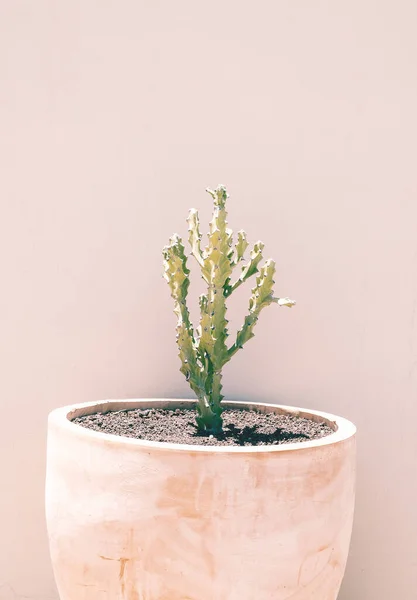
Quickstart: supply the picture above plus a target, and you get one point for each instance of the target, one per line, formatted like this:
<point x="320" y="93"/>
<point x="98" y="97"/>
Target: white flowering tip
<point x="286" y="302"/>
<point x="219" y="195"/>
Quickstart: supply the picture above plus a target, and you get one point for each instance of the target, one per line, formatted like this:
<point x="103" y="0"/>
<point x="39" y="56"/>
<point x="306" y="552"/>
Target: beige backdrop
<point x="114" y="117"/>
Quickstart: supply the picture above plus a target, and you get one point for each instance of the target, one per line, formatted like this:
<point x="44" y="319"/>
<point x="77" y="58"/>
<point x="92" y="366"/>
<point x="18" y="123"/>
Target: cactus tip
<point x="285" y="302"/>
<point x="219" y="194"/>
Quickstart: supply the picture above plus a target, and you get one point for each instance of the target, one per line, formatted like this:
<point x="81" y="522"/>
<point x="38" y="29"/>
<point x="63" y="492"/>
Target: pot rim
<point x="61" y="417"/>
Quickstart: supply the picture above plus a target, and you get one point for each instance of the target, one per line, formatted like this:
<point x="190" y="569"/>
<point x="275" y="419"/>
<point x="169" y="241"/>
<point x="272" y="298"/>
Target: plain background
<point x="115" y="115"/>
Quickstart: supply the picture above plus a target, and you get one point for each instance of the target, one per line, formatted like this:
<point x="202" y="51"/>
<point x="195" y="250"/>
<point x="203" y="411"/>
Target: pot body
<point x="135" y="520"/>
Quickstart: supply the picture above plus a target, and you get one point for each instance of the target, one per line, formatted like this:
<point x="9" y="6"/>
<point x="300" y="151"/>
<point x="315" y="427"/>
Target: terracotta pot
<point x="136" y="520"/>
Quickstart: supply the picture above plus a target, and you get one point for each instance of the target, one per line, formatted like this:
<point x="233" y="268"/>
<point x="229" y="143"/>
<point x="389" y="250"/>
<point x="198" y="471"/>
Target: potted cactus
<point x="204" y="355"/>
<point x="167" y="499"/>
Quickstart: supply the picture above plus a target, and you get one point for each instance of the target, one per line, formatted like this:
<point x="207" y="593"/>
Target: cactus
<point x="204" y="352"/>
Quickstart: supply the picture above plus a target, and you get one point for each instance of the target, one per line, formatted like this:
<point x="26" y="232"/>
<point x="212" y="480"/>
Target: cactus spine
<point x="204" y="352"/>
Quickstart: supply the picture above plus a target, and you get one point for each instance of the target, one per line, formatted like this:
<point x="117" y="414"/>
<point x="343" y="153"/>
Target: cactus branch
<point x="176" y="273"/>
<point x="241" y="246"/>
<point x="262" y="296"/>
<point x="194" y="237"/>
<point x="204" y="337"/>
<point x="218" y="268"/>
<point x="249" y="269"/>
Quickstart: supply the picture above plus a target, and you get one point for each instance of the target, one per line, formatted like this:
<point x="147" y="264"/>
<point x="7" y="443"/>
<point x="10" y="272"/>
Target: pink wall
<point x="114" y="116"/>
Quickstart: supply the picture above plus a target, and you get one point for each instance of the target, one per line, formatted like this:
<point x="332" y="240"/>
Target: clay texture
<point x="135" y="520"/>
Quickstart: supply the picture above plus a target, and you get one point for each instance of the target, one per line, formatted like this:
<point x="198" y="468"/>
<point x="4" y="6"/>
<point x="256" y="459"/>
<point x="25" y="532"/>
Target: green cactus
<point x="204" y="352"/>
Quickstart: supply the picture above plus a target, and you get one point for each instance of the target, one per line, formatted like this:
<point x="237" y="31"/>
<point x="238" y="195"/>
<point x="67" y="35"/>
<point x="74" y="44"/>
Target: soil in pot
<point x="240" y="427"/>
